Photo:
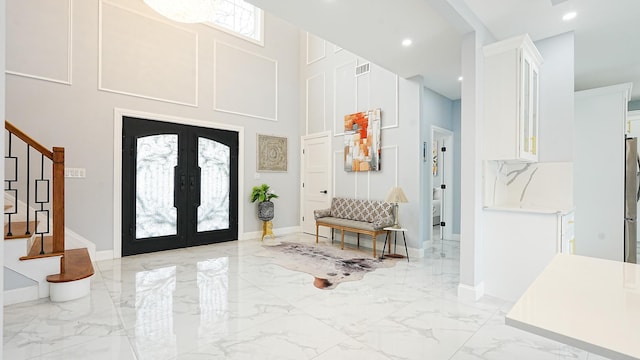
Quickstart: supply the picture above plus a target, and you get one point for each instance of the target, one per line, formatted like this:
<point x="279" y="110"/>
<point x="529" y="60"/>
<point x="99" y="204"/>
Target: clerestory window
<point x="239" y="18"/>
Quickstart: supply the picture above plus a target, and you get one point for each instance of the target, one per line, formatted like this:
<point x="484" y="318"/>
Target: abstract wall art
<point x="362" y="141"/>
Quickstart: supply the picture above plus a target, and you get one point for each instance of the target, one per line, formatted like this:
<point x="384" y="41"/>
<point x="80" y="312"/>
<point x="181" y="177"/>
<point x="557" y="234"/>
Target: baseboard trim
<point x="366" y="243"/>
<point x="277" y="232"/>
<point x="75" y="241"/>
<point x="471" y="293"/>
<point x="103" y="255"/>
<point x="109" y="255"/>
<point x="20" y="295"/>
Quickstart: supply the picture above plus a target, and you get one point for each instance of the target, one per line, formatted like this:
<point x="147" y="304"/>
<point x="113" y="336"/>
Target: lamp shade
<point x="185" y="11"/>
<point x="396" y="195"/>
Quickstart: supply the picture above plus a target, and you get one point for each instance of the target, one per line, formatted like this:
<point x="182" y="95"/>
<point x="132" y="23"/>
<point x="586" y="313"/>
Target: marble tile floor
<point x="223" y="302"/>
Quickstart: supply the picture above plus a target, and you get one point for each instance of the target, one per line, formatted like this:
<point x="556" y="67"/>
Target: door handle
<point x="323" y="191"/>
<point x="181" y="179"/>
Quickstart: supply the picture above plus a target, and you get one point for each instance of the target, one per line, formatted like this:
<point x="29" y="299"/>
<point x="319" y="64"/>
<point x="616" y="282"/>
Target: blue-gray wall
<point x="441" y="112"/>
<point x="634" y="105"/>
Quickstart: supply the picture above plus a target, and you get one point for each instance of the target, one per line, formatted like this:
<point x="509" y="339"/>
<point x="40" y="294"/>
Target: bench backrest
<point x="361" y="210"/>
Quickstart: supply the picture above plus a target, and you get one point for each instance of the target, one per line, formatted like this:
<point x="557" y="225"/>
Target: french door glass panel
<point x="156" y="159"/>
<point x="214" y="161"/>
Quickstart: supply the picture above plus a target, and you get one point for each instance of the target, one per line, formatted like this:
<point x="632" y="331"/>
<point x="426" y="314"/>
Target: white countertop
<point x="588" y="303"/>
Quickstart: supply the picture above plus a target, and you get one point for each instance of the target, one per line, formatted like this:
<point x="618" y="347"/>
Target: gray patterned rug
<point x="328" y="264"/>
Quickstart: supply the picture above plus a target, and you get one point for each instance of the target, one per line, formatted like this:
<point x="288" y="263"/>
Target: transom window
<point x="239" y="18"/>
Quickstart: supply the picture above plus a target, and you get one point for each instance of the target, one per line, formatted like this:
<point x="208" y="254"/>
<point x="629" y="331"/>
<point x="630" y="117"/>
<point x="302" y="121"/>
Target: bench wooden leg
<point x="358" y="239"/>
<point x="374" y="245"/>
<point x="316" y="233"/>
<point x="342" y="239"/>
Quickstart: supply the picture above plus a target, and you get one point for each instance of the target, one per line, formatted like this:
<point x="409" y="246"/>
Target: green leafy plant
<point x="262" y="193"/>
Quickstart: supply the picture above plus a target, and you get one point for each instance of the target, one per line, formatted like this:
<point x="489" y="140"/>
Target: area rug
<point x="328" y="264"/>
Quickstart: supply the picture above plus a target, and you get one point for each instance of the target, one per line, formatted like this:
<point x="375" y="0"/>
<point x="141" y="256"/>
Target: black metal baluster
<point x="9" y="188"/>
<point x="27" y="232"/>
<point x="41" y="204"/>
<point x="42" y="201"/>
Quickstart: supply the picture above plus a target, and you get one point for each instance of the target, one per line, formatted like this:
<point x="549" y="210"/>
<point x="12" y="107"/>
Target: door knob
<point x="323" y="191"/>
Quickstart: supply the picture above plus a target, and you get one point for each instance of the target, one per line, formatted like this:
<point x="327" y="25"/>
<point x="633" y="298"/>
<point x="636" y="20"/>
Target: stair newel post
<point x="58" y="199"/>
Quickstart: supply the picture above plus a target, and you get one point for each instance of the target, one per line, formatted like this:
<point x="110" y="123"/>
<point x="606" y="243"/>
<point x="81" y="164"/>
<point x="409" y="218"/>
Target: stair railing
<point x="41" y="188"/>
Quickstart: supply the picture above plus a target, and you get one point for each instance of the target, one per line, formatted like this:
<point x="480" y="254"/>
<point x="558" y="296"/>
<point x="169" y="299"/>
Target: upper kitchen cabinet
<point x="511" y="99"/>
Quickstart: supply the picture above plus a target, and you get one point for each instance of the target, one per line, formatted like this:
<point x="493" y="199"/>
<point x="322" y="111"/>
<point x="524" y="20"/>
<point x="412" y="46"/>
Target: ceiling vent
<point x="362" y="69"/>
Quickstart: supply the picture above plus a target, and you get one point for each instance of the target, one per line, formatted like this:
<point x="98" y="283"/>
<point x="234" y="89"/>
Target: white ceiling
<point x="607" y="47"/>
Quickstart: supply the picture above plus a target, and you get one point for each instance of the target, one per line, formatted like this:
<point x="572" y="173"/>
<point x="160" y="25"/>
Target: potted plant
<point x="263" y="195"/>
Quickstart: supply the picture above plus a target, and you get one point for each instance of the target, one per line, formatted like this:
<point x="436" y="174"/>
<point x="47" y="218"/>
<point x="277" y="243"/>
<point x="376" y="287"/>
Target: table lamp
<point x="395" y="196"/>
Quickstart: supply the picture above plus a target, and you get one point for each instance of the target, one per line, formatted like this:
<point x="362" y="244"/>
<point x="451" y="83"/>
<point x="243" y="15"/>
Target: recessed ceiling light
<point x="407" y="42"/>
<point x="569" y="16"/>
<point x="460" y="78"/>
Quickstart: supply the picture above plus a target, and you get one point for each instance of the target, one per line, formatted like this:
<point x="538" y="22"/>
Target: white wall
<point x="556" y="98"/>
<point x="331" y="90"/>
<point x="599" y="171"/>
<point x="456" y="116"/>
<point x="2" y="112"/>
<point x="472" y="126"/>
<point x="149" y="64"/>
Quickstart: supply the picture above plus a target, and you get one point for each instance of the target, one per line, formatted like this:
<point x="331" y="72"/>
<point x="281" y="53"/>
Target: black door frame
<point x="187" y="185"/>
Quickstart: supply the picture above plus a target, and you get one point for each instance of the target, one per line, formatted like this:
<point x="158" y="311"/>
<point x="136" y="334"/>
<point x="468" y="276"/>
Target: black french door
<point x="179" y="186"/>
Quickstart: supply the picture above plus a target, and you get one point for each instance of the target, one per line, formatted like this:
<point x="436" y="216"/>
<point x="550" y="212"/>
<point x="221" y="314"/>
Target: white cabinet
<point x="567" y="236"/>
<point x="511" y="105"/>
<point x="519" y="244"/>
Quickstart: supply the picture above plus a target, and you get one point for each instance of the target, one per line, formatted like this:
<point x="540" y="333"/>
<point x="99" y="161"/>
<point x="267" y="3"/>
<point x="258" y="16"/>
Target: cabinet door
<point x="529" y="110"/>
<point x="534" y="111"/>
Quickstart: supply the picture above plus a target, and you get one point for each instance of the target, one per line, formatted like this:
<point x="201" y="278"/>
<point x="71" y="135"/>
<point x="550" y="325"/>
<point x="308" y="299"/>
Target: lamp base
<point x="395" y="226"/>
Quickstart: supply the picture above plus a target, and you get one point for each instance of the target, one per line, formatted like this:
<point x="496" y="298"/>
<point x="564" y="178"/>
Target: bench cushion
<point x="354" y="224"/>
<point x="360" y="210"/>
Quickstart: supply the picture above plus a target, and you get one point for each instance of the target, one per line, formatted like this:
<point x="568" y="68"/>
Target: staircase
<point x="36" y="262"/>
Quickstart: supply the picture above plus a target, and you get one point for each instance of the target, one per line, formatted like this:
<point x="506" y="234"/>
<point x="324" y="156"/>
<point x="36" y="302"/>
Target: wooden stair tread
<point x="34" y="252"/>
<point x="76" y="264"/>
<point x="18" y="229"/>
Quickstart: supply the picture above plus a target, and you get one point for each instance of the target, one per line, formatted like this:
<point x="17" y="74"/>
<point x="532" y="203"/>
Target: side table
<point x="395" y="238"/>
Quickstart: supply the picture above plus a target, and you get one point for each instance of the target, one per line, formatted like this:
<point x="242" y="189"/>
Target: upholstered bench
<point x="355" y="215"/>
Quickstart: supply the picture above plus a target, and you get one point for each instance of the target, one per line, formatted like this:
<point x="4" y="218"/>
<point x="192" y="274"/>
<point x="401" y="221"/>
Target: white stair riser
<point x="15" y="248"/>
<point x="70" y="290"/>
<point x="36" y="269"/>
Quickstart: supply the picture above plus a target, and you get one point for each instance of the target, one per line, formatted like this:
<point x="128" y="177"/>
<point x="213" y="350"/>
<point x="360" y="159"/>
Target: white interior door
<point x="316" y="175"/>
<point x="442" y="172"/>
<point x="633" y="130"/>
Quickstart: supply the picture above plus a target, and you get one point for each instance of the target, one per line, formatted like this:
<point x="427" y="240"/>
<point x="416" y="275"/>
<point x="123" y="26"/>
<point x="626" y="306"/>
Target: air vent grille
<point x="362" y="69"/>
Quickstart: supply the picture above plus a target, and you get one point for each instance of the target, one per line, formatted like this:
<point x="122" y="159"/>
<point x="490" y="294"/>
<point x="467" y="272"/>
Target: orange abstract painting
<point x="362" y="141"/>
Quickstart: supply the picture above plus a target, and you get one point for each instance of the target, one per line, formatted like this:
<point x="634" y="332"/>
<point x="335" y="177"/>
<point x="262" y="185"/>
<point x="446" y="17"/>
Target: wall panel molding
<point x="344" y="79"/>
<point x="338" y="166"/>
<point x="309" y="100"/>
<point x="42" y="35"/>
<point x="139" y="65"/>
<point x="316" y="49"/>
<point x="253" y="92"/>
<point x="397" y="110"/>
<point x="362" y="88"/>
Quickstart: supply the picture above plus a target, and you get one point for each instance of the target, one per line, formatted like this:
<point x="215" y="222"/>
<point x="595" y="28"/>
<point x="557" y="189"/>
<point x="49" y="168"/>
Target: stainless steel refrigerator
<point x="631" y="196"/>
